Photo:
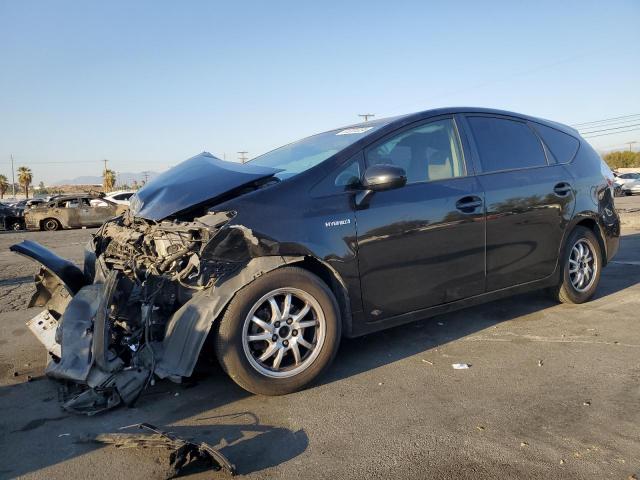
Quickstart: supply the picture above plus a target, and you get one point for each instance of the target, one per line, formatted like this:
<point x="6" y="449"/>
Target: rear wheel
<point x="582" y="262"/>
<point x="279" y="333"/>
<point x="50" y="224"/>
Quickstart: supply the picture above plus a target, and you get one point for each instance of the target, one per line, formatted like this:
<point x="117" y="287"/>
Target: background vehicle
<point x="630" y="186"/>
<point x="121" y="197"/>
<point x="11" y="218"/>
<point x="71" y="211"/>
<point x="343" y="233"/>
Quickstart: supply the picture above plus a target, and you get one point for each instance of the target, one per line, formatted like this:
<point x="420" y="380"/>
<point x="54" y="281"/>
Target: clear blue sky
<point x="147" y="84"/>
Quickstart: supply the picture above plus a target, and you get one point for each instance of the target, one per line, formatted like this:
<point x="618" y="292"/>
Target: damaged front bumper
<point x="143" y="306"/>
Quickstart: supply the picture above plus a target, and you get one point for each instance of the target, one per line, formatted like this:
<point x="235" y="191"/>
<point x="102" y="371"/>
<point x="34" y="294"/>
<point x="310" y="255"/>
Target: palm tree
<point x="4" y="185"/>
<point x="108" y="180"/>
<point x="25" y="177"/>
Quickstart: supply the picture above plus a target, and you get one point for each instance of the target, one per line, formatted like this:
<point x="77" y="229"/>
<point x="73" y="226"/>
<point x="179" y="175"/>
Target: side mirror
<point x="384" y="177"/>
<point x="378" y="178"/>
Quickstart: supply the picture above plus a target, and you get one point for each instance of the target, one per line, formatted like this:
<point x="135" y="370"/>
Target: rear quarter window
<point x="561" y="146"/>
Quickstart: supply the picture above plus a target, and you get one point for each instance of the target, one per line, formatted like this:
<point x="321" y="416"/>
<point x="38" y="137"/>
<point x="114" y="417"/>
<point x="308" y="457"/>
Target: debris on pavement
<point x="461" y="366"/>
<point x="587" y="403"/>
<point x="427" y="361"/>
<point x="524" y="444"/>
<point x="540" y="363"/>
<point x="183" y="452"/>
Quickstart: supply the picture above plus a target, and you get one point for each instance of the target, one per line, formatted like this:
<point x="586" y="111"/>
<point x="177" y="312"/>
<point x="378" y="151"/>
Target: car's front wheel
<point x="582" y="262"/>
<point x="279" y="333"/>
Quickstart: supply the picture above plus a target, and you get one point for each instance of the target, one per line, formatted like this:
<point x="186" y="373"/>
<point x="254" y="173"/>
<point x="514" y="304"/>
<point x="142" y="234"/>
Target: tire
<point x="570" y="290"/>
<point x="239" y="352"/>
<point x="50" y="225"/>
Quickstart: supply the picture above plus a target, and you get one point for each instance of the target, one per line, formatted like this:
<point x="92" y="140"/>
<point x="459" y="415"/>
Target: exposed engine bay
<point x="142" y="307"/>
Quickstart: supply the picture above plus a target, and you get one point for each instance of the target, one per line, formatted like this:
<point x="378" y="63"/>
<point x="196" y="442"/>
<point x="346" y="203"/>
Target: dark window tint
<point x="562" y="146"/>
<point x="506" y="144"/>
<point x="428" y="152"/>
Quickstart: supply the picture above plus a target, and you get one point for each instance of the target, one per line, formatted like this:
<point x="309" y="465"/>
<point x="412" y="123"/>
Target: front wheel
<point x="582" y="262"/>
<point x="279" y="333"/>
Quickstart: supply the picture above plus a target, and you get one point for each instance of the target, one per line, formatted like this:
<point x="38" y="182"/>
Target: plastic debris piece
<point x="561" y="461"/>
<point x="64" y="435"/>
<point x="441" y="324"/>
<point x="540" y="363"/>
<point x="524" y="444"/>
<point x="182" y="452"/>
<point x="586" y="403"/>
<point x="461" y="366"/>
<point x="427" y="361"/>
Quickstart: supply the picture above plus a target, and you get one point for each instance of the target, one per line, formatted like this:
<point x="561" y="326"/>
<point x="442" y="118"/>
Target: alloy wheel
<point x="283" y="333"/>
<point x="583" y="265"/>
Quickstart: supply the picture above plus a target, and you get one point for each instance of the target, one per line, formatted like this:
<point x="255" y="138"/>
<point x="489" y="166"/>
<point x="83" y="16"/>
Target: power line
<point x="609" y="129"/>
<point x="612" y="128"/>
<point x="604" y="120"/>
<point x="612" y="133"/>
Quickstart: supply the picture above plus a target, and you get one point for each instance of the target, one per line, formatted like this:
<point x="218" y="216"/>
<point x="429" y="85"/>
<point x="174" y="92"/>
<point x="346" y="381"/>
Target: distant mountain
<point x="124" y="178"/>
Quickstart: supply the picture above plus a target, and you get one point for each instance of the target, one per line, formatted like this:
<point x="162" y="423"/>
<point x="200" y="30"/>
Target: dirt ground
<point x="553" y="392"/>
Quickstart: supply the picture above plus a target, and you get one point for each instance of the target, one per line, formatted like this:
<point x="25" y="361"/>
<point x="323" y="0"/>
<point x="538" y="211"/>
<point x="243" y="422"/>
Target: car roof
<point x="407" y="118"/>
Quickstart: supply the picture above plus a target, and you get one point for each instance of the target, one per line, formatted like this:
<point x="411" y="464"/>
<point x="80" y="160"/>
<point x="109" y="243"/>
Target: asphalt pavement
<point x="553" y="391"/>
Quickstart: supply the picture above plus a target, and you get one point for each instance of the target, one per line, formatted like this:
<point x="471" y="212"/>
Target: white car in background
<point x="120" y="197"/>
<point x="629" y="183"/>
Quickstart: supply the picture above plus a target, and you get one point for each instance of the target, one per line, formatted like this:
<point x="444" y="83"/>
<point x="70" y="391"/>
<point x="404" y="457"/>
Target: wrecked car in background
<point x="11" y="217"/>
<point x="71" y="211"/>
<point x="343" y="233"/>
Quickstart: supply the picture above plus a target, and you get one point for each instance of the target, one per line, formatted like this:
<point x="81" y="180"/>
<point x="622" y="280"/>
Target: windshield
<point x="304" y="154"/>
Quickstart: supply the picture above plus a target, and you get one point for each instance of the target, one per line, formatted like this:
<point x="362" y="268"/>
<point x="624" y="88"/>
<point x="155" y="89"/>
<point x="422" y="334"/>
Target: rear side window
<point x="506" y="144"/>
<point x="562" y="146"/>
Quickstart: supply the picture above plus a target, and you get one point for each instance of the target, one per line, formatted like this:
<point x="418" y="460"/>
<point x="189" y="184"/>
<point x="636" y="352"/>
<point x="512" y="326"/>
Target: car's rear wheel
<point x="582" y="262"/>
<point x="50" y="224"/>
<point x="279" y="333"/>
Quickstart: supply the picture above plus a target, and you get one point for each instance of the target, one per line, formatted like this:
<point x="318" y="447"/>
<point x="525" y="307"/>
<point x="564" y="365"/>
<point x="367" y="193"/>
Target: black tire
<point x="50" y="224"/>
<point x="229" y="345"/>
<point x="566" y="291"/>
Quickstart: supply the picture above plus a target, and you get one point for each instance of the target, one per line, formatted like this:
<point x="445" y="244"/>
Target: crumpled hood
<point x="196" y="180"/>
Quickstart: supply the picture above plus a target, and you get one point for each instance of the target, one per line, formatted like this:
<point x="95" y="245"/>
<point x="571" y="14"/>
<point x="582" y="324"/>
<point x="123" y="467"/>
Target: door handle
<point x="469" y="204"/>
<point x="562" y="189"/>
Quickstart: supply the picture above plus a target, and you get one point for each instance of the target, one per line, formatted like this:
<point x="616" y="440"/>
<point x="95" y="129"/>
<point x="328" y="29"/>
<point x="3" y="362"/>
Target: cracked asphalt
<point x="553" y="392"/>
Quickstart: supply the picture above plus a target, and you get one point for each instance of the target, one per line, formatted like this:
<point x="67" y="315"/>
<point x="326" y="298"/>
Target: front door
<point x="423" y="244"/>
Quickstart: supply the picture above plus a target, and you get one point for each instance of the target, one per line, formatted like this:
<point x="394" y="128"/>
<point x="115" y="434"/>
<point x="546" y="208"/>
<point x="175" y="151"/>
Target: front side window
<point x="429" y="152"/>
<point x="506" y="144"/>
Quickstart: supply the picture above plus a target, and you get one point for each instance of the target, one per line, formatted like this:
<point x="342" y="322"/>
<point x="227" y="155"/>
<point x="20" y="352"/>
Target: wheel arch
<point x="593" y="225"/>
<point x="334" y="281"/>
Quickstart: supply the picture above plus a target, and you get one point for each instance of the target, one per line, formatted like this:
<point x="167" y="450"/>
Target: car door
<point x="529" y="200"/>
<point x="423" y="244"/>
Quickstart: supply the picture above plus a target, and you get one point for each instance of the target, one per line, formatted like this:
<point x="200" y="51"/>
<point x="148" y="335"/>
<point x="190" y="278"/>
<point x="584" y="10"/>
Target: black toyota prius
<point x="339" y="234"/>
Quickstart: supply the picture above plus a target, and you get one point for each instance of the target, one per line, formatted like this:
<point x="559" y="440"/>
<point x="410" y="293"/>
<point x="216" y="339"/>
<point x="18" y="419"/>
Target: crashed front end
<point x="114" y="326"/>
<point x="154" y="281"/>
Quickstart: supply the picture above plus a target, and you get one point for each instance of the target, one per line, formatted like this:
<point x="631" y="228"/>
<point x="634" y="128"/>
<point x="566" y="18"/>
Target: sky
<point x="147" y="84"/>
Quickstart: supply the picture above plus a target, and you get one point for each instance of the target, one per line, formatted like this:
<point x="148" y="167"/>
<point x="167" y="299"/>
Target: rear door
<point x="529" y="199"/>
<point x="423" y="244"/>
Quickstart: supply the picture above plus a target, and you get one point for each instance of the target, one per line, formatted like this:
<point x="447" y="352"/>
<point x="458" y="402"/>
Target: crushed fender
<point x="182" y="452"/>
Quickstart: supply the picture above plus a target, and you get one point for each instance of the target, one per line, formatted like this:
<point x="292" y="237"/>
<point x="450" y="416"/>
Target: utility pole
<point x="13" y="178"/>
<point x="242" y="156"/>
<point x="146" y="177"/>
<point x="366" y="116"/>
<point x="633" y="142"/>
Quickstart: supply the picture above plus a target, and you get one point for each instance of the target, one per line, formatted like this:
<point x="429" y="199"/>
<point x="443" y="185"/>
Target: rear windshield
<point x="304" y="154"/>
